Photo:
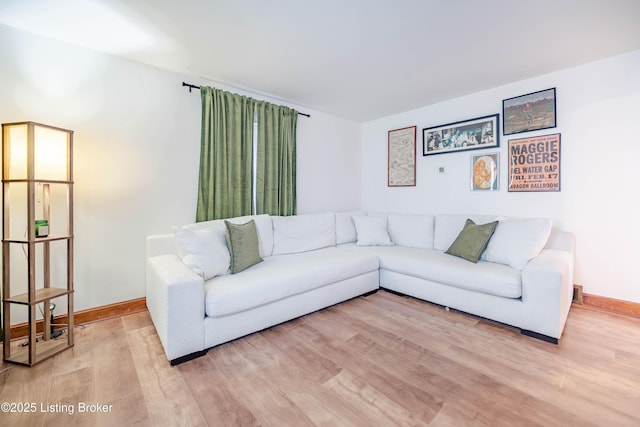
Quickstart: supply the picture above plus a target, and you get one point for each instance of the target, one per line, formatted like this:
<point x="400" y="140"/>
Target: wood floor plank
<point x="20" y="385"/>
<point x="311" y="395"/>
<point x="393" y="352"/>
<point x="395" y="357"/>
<point x="370" y="401"/>
<point x="420" y="405"/>
<point x="165" y="394"/>
<point x="310" y="357"/>
<point x="378" y="372"/>
<point x="257" y="392"/>
<point x="581" y="407"/>
<point x="214" y="394"/>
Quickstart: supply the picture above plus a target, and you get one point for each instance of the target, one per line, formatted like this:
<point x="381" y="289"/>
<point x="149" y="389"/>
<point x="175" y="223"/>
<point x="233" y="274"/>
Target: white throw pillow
<point x="516" y="241"/>
<point x="372" y="231"/>
<point x="415" y="231"/>
<point x="263" y="227"/>
<point x="345" y="228"/>
<point x="205" y="250"/>
<point x="301" y="233"/>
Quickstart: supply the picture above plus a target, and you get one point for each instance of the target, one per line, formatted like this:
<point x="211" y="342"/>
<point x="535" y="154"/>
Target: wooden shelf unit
<point x="23" y="175"/>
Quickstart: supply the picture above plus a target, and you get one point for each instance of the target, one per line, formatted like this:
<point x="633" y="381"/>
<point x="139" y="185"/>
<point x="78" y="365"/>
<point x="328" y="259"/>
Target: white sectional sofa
<point x="304" y="263"/>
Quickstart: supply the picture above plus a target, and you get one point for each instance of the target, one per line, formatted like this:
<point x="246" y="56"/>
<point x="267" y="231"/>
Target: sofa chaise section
<point x="531" y="294"/>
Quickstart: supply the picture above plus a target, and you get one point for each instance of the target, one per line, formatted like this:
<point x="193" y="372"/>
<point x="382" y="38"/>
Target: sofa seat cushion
<point x="437" y="266"/>
<point x="282" y="276"/>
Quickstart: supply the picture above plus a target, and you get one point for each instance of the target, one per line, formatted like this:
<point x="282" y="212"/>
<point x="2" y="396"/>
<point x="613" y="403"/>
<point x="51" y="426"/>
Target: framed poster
<point x="471" y="134"/>
<point x="533" y="111"/>
<point x="402" y="157"/>
<point x="534" y="163"/>
<point x="485" y="172"/>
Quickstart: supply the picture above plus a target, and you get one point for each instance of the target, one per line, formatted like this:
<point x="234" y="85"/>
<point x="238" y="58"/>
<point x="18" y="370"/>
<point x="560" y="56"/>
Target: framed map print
<point x="402" y="157"/>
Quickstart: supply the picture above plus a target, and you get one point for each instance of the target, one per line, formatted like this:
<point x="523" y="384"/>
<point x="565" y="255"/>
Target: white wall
<point x="136" y="148"/>
<point x="598" y="108"/>
<point x="329" y="164"/>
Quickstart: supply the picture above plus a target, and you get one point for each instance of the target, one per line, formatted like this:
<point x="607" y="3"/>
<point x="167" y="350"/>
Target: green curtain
<point x="224" y="186"/>
<point x="276" y="159"/>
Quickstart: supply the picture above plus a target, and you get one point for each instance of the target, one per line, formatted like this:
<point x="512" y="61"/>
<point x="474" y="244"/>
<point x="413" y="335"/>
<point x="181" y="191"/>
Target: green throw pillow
<point x="472" y="240"/>
<point x="242" y="240"/>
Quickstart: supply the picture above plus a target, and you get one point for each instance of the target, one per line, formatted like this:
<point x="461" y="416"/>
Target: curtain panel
<point x="276" y="159"/>
<point x="224" y="186"/>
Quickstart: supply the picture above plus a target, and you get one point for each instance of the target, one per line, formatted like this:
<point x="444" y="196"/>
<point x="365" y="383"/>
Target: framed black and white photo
<point x="533" y="111"/>
<point x="474" y="134"/>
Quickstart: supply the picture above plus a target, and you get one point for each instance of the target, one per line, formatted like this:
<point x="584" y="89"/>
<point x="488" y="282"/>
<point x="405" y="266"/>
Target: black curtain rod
<point x="190" y="86"/>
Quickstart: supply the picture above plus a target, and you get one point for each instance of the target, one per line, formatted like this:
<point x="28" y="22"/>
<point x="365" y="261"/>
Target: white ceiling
<point x="359" y="59"/>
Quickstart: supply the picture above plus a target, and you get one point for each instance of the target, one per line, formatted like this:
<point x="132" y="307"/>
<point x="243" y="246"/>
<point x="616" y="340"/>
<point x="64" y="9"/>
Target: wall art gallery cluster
<point x="534" y="162"/>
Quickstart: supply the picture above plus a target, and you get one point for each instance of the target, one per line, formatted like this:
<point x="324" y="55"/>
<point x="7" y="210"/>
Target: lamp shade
<point x="36" y="151"/>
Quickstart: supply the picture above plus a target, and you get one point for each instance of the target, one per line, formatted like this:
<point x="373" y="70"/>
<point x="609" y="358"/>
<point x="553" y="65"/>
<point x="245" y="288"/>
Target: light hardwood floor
<point x="380" y="360"/>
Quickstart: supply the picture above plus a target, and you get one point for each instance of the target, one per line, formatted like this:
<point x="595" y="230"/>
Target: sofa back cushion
<point x="517" y="241"/>
<point x="345" y="228"/>
<point x="372" y="231"/>
<point x="302" y="233"/>
<point x="414" y="231"/>
<point x="448" y="227"/>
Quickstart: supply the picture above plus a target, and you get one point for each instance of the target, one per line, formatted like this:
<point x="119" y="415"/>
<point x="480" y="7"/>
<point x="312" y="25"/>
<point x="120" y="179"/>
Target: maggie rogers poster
<point x="534" y="163"/>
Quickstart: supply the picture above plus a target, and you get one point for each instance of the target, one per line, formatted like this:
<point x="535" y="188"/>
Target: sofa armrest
<point x="175" y="299"/>
<point x="547" y="291"/>
<point x="161" y="244"/>
<point x="559" y="239"/>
